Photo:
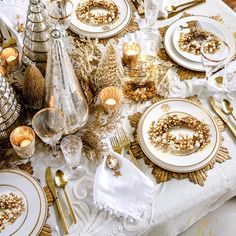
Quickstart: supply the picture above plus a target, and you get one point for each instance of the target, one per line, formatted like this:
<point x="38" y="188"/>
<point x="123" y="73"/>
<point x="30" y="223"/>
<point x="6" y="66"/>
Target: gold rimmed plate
<point x="170" y="161"/>
<point x="103" y="31"/>
<point x="185" y="61"/>
<point x="24" y="185"/>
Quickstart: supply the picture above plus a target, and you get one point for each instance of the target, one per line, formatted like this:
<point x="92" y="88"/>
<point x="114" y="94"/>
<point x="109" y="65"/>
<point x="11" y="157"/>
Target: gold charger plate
<point x="169" y="161"/>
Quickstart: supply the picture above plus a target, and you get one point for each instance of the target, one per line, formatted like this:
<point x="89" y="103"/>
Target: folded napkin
<point x="126" y="195"/>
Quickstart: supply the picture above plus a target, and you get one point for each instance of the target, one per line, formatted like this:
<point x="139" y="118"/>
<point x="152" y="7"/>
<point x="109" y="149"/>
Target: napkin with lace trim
<point x="127" y="195"/>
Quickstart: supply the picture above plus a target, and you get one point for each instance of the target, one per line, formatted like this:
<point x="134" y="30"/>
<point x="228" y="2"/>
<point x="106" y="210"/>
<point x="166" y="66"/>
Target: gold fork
<point x="124" y="141"/>
<point x="115" y="144"/>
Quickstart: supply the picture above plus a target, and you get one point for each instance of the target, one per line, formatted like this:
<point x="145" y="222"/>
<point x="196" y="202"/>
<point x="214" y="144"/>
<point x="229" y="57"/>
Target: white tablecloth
<point x="178" y="204"/>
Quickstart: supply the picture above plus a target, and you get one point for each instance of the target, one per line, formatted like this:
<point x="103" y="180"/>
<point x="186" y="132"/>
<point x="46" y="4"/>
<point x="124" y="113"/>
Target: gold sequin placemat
<point x="131" y="28"/>
<point x="162" y="175"/>
<point x="183" y="73"/>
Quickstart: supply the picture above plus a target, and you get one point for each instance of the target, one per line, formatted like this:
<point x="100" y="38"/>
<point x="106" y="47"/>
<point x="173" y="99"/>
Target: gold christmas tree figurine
<point x="110" y="70"/>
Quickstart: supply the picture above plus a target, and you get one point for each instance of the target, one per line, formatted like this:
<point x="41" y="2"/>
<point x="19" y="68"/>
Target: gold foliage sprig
<point x="95" y="134"/>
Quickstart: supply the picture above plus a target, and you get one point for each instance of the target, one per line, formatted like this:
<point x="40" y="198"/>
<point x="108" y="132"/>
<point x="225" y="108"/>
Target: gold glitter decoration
<point x="197" y="177"/>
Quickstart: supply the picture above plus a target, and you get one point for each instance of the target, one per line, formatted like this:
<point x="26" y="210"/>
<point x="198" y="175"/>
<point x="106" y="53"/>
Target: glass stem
<point x="54" y="151"/>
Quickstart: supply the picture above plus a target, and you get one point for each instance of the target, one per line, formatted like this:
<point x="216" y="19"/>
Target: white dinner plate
<point x="206" y="26"/>
<point x="184" y="61"/>
<point x="35" y="214"/>
<point x="103" y="31"/>
<point x="168" y="160"/>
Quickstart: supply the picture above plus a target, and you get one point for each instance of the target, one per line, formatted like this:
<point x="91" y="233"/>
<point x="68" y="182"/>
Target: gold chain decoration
<point x="183" y="73"/>
<point x="85" y="14"/>
<point x="162" y="175"/>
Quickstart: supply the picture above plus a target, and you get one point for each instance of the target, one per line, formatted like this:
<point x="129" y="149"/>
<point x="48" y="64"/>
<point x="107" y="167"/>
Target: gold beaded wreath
<point x="85" y="13"/>
<point x="159" y="133"/>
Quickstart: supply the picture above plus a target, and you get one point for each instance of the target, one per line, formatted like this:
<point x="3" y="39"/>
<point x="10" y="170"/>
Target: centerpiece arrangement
<point x="77" y="93"/>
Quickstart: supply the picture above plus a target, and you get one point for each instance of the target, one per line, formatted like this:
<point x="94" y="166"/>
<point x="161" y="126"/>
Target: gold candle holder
<point x="110" y="98"/>
<point x="11" y="56"/>
<point x="131" y="52"/>
<point x="2" y="71"/>
<point x="23" y="141"/>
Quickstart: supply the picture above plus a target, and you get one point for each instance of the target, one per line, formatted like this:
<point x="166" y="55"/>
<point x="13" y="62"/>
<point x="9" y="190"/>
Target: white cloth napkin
<point x="125" y="195"/>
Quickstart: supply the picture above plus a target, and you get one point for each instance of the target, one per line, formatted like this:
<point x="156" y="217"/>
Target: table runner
<point x="172" y="208"/>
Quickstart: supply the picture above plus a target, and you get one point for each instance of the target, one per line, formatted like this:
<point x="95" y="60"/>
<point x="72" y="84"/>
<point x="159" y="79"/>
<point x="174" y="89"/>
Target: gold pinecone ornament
<point x="9" y="109"/>
<point x="33" y="89"/>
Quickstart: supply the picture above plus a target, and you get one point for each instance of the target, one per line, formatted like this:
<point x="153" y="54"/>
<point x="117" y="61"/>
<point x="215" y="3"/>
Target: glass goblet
<point x="229" y="77"/>
<point x="151" y="12"/>
<point x="214" y="53"/>
<point x="71" y="147"/>
<point x="60" y="12"/>
<point x="49" y="124"/>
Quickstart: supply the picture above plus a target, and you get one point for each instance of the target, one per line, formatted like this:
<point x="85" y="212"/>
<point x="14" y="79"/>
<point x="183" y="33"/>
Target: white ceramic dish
<point x="35" y="215"/>
<point x="185" y="62"/>
<point x="206" y="26"/>
<point x="168" y="160"/>
<point x="103" y="31"/>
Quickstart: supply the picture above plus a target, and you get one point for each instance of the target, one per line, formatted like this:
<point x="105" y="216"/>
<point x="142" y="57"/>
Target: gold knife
<point x="52" y="187"/>
<point x="216" y="108"/>
<point x="172" y="14"/>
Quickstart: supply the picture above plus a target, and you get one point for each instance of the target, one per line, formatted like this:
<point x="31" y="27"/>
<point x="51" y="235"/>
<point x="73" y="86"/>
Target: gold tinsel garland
<point x="183" y="73"/>
<point x="162" y="175"/>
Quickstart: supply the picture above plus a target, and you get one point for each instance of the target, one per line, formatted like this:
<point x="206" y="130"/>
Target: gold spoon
<point x="61" y="181"/>
<point x="174" y="8"/>
<point x="228" y="108"/>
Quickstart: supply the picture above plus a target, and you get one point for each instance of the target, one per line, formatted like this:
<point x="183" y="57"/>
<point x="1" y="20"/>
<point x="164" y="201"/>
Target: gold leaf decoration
<point x="86" y="57"/>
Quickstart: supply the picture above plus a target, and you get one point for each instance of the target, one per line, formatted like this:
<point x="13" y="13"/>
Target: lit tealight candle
<point x="110" y="102"/>
<point x="110" y="98"/>
<point x="131" y="52"/>
<point x="23" y="141"/>
<point x="11" y="55"/>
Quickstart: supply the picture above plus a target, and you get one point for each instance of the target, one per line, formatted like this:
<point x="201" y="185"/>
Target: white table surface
<point x="178" y="204"/>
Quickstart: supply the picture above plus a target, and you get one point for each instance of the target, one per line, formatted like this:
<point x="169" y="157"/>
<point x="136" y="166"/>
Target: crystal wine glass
<point x="214" y="53"/>
<point x="71" y="147"/>
<point x="49" y="124"/>
<point x="229" y="77"/>
<point x="60" y="12"/>
<point x="151" y="8"/>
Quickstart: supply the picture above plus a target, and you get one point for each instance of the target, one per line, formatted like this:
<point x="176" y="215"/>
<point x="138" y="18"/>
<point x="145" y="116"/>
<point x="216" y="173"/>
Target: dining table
<point x="178" y="204"/>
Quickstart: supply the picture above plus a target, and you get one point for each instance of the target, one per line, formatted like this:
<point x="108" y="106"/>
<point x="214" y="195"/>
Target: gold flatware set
<point x="61" y="181"/>
<point x="122" y="141"/>
<point x="227" y="109"/>
<point x="173" y="10"/>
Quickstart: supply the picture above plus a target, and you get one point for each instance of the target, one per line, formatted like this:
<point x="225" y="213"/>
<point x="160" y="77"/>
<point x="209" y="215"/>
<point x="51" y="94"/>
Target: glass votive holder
<point x="110" y="98"/>
<point x="22" y="140"/>
<point x="11" y="56"/>
<point x="2" y="71"/>
<point x="131" y="52"/>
